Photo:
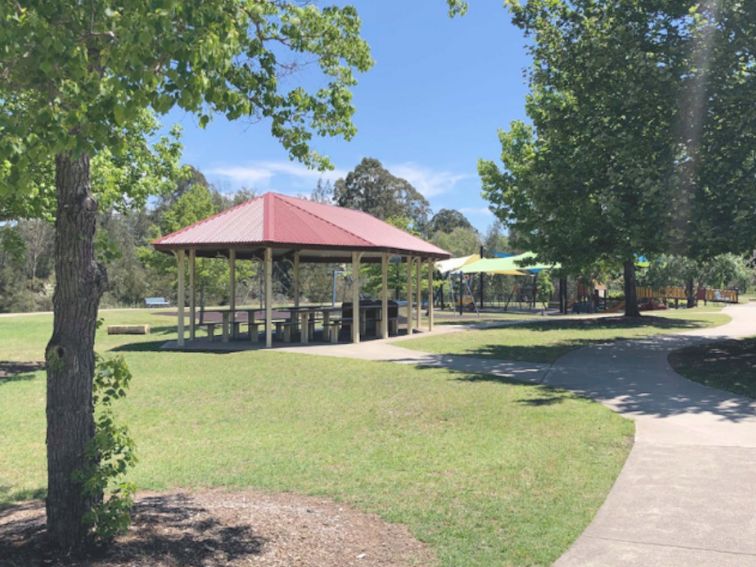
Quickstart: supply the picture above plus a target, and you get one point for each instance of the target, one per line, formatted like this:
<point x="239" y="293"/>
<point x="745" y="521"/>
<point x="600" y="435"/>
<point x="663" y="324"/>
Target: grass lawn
<point x="728" y="365"/>
<point x="545" y="340"/>
<point x="447" y="317"/>
<point x="485" y="471"/>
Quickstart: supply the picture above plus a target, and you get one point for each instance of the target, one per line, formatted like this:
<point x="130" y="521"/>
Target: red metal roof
<point x="280" y="221"/>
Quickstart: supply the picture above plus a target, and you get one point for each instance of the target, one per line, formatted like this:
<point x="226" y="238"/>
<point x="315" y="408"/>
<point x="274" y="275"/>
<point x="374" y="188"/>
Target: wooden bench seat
<point x="210" y="328"/>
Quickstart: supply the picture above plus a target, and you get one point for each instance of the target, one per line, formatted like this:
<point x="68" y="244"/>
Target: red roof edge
<point x="208" y="219"/>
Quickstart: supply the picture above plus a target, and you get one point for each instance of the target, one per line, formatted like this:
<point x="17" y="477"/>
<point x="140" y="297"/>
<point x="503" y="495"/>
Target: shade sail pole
<point x="232" y="291"/>
<point x="410" y="263"/>
<point x="419" y="314"/>
<point x="431" y="267"/>
<point x="384" y="296"/>
<point x="192" y="294"/>
<point x="181" y="297"/>
<point x="356" y="297"/>
<point x="268" y="297"/>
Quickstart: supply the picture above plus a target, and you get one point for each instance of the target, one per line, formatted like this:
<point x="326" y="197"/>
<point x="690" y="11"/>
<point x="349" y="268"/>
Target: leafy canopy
<point x="370" y="187"/>
<point x="642" y="138"/>
<point x="76" y="77"/>
<point x="590" y="180"/>
<point x="447" y="220"/>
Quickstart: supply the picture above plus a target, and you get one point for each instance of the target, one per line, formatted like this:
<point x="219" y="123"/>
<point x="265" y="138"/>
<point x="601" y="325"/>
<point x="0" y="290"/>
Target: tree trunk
<point x="70" y="352"/>
<point x="691" y="293"/>
<point x="631" y="297"/>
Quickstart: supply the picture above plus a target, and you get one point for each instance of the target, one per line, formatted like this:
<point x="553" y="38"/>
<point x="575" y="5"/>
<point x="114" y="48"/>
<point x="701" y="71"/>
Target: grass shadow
<point x="544" y="395"/>
<point x="159" y="347"/>
<point x="12" y="371"/>
<point x="550" y="352"/>
<point x="729" y="365"/>
<point x="140" y="346"/>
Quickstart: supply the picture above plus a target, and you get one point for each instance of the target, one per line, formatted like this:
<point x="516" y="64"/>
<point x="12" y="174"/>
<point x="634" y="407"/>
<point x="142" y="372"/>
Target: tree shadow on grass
<point x="553" y="351"/>
<point x="727" y="364"/>
<point x="160" y="347"/>
<point x="140" y="346"/>
<point x="169" y="529"/>
<point x="11" y="371"/>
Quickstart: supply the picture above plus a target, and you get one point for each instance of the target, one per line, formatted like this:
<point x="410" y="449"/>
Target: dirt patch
<point x="218" y="527"/>
<point x="9" y="369"/>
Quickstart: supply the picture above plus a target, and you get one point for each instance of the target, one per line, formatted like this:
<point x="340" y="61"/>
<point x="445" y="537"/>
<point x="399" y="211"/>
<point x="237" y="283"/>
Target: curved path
<point x="687" y="493"/>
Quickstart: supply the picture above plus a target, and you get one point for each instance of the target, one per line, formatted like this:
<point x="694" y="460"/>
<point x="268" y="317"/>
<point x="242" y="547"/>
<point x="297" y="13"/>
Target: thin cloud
<point x="476" y="211"/>
<point x="429" y="182"/>
<point x="263" y="172"/>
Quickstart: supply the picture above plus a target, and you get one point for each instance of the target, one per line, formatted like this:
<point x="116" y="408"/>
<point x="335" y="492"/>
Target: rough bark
<point x="631" y="297"/>
<point x="70" y="352"/>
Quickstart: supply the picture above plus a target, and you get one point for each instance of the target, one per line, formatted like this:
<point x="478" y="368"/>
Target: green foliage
<point x="634" y="146"/>
<point x="461" y="241"/>
<point x="545" y="289"/>
<point x="12" y="246"/>
<point x="669" y="271"/>
<point x="717" y="146"/>
<point x="446" y="220"/>
<point x="721" y="271"/>
<point x="373" y="189"/>
<point x="78" y="77"/>
<point x="110" y="454"/>
<point x="727" y="270"/>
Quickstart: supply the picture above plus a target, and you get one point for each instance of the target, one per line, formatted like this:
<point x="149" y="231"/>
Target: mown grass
<point x="546" y="340"/>
<point x="728" y="365"/>
<point x="485" y="471"/>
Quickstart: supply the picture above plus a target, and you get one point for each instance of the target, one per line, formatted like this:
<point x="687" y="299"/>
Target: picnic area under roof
<point x="317" y="231"/>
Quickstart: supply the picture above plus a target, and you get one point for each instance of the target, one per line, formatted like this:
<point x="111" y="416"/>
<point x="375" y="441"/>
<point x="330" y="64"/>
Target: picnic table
<point x="301" y="318"/>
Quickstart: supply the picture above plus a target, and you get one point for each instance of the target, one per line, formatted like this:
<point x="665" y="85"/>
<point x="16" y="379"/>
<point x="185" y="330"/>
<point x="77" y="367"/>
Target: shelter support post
<point x="410" y="322"/>
<point x="268" y="297"/>
<point x="295" y="320"/>
<point x="384" y="297"/>
<point x="296" y="279"/>
<point x="181" y="298"/>
<point x="356" y="256"/>
<point x="431" y="267"/>
<point x="232" y="291"/>
<point x="461" y="292"/>
<point x="418" y="292"/>
<point x="192" y="294"/>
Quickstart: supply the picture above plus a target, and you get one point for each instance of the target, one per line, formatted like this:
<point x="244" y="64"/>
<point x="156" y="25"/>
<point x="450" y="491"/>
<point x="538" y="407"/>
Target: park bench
<point x="156" y="302"/>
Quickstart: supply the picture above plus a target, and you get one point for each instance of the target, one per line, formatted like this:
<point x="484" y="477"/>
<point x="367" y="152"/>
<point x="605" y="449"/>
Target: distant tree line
<point x="136" y="271"/>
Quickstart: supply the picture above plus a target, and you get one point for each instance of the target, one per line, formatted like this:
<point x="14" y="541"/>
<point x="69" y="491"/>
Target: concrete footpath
<point x="687" y="493"/>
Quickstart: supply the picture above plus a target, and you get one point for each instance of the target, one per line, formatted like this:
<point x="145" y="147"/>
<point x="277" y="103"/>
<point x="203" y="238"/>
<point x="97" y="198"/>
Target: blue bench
<point x="156" y="302"/>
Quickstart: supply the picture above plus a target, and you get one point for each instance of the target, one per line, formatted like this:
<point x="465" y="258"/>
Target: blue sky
<point x="428" y="109"/>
